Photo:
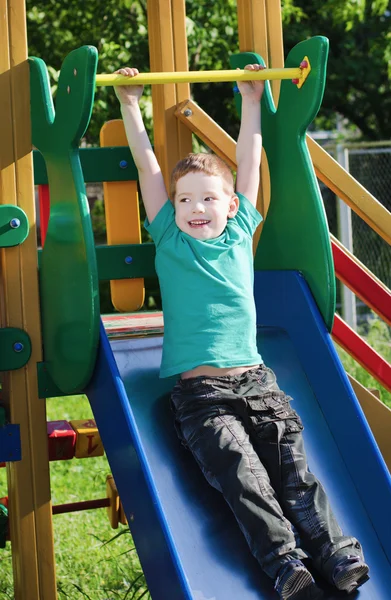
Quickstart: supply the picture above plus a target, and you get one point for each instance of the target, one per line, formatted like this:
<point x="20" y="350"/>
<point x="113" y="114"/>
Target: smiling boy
<point x="229" y="410"/>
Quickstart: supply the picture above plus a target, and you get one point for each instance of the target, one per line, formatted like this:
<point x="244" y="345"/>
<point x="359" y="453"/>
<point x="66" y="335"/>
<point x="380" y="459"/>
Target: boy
<point x="229" y="410"/>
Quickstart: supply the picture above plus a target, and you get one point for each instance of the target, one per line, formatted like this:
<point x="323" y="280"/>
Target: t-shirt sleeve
<point x="247" y="217"/>
<point x="163" y="224"/>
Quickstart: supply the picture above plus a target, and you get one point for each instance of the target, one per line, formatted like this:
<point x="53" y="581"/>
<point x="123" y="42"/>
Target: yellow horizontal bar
<point x="200" y="76"/>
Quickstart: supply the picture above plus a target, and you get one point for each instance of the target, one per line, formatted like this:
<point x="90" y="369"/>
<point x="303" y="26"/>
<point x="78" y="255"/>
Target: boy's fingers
<point x="128" y="71"/>
<point x="254" y="67"/>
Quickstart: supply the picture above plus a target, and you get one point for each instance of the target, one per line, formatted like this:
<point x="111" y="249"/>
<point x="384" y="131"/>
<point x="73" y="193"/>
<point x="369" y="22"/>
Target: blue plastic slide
<point x="188" y="541"/>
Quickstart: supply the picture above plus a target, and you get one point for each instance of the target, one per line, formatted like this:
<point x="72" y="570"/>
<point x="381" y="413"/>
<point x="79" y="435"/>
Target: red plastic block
<point x="61" y="440"/>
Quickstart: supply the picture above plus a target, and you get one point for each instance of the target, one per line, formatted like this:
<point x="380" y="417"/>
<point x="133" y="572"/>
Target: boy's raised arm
<point x="249" y="145"/>
<point x="151" y="180"/>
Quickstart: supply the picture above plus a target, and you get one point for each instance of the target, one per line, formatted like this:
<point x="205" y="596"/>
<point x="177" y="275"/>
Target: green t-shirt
<point x="207" y="292"/>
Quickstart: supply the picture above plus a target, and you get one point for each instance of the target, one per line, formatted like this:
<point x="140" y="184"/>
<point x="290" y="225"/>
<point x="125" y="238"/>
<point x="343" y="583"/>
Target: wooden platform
<point x="133" y="325"/>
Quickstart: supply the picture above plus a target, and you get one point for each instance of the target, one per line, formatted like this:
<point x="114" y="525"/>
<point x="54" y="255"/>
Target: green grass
<point x="377" y="334"/>
<point x="93" y="562"/>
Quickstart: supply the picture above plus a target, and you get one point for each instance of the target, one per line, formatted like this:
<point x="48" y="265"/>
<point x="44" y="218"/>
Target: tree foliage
<point x="359" y="71"/>
<point x="358" y="84"/>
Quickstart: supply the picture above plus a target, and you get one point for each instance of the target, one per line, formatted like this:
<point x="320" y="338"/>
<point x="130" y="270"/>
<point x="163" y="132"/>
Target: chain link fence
<point x="371" y="165"/>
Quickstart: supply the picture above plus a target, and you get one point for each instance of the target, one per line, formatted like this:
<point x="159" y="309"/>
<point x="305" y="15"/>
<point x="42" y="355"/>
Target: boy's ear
<point x="233" y="206"/>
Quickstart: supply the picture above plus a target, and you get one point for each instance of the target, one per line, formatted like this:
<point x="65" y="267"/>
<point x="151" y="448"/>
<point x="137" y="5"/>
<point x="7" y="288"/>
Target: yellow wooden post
<point x="260" y="31"/>
<point x="122" y="221"/>
<point x="252" y="27"/>
<point x="28" y="480"/>
<point x="378" y="416"/>
<point x="168" y="52"/>
<point x="254" y="37"/>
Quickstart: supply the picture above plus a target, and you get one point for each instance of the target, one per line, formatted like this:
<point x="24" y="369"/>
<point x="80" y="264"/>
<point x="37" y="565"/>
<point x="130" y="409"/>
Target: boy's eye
<point x="184" y="200"/>
<point x="208" y="198"/>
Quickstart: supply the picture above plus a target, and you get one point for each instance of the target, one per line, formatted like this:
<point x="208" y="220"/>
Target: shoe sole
<point x="295" y="583"/>
<point x="351" y="579"/>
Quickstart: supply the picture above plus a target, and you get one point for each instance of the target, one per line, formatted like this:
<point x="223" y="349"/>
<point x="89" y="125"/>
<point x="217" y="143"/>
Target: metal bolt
<point x="69" y="89"/>
<point x="128" y="260"/>
<point x="75" y="72"/>
<point x="18" y="347"/>
<point x="132" y="517"/>
<point x="14" y="223"/>
<point x="188" y="112"/>
<point x="123" y="164"/>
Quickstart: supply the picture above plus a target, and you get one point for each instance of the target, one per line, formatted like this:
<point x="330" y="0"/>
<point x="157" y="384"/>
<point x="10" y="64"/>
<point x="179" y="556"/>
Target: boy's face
<point x="202" y="206"/>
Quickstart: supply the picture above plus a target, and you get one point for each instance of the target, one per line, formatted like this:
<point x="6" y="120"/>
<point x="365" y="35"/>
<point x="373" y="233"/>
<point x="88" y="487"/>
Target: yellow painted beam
<point x="181" y="62"/>
<point x="253" y="37"/>
<point x="252" y="28"/>
<point x="350" y="191"/>
<point x="260" y="31"/>
<point x="122" y="221"/>
<point x="327" y="169"/>
<point x="28" y="480"/>
<point x="210" y="132"/>
<point x="275" y="42"/>
<point x="168" y="53"/>
<point x="199" y="76"/>
<point x="378" y="416"/>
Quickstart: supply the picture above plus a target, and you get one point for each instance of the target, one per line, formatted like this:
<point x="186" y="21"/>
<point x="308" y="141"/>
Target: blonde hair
<point x="202" y="163"/>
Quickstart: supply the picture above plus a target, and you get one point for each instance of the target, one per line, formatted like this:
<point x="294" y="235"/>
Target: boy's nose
<point x="199" y="207"/>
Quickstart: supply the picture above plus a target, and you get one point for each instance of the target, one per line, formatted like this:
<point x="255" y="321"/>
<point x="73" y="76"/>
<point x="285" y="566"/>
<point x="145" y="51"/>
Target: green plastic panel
<point x="15" y="348"/>
<point x="68" y="274"/>
<point x="3" y="525"/>
<point x="14" y="226"/>
<point x="46" y="387"/>
<point x="124" y="261"/>
<point x="98" y="164"/>
<point x="295" y="234"/>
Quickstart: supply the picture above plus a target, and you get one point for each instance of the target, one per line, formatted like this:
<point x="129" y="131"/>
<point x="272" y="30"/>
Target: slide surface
<point x="188" y="542"/>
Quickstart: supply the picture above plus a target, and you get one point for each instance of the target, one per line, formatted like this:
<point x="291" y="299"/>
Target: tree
<point x="358" y="84"/>
<point x="117" y="28"/>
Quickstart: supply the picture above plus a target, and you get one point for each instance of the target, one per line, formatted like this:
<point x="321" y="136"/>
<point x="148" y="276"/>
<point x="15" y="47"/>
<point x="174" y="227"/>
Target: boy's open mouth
<point x="198" y="223"/>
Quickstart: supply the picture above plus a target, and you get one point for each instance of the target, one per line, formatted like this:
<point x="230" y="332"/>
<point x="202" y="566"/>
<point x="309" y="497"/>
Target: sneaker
<point x="350" y="573"/>
<point x="295" y="582"/>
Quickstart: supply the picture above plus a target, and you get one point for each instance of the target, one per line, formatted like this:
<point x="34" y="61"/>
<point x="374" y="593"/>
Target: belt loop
<point x="280" y="432"/>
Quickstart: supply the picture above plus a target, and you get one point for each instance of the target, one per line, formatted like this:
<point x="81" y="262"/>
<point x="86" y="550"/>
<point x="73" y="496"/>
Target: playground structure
<point x="79" y="362"/>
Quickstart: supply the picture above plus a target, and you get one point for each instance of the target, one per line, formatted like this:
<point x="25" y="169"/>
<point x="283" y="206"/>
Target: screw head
<point x="188" y="112"/>
<point x="123" y="164"/>
<point x="295" y="81"/>
<point x="18" y="347"/>
<point x="15" y="223"/>
<point x="128" y="260"/>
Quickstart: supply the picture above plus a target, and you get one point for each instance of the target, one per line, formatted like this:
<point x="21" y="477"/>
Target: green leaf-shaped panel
<point x="295" y="234"/>
<point x="68" y="274"/>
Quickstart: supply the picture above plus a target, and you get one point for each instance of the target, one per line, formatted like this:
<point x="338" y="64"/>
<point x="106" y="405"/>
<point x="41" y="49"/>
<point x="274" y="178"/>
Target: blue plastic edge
<point x="283" y="299"/>
<point x="106" y="383"/>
